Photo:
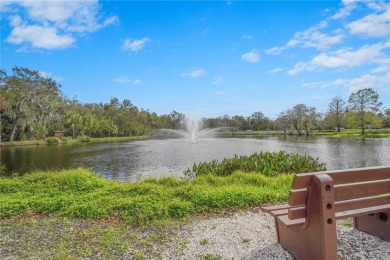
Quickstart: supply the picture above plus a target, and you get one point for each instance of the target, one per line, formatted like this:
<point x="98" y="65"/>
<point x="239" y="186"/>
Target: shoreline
<point x="74" y="141"/>
<point x="328" y="134"/>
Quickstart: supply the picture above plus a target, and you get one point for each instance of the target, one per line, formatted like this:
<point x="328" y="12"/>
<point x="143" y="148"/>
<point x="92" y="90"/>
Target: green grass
<point x="355" y="133"/>
<point x="69" y="140"/>
<point x="80" y="193"/>
<point x="204" y="242"/>
<point x="39" y="237"/>
<point x="74" y="214"/>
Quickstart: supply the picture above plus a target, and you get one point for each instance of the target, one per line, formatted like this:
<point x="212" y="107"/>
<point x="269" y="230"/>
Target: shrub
<point x="267" y="163"/>
<point x="3" y="169"/>
<point x="52" y="140"/>
<point x="66" y="139"/>
<point x="84" y="139"/>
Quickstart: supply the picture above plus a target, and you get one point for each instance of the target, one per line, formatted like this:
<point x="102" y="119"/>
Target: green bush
<point x="66" y="139"/>
<point x="84" y="139"/>
<point x="3" y="169"/>
<point x="52" y="140"/>
<point x="267" y="163"/>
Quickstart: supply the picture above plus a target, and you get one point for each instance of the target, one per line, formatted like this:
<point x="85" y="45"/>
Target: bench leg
<point x="317" y="238"/>
<point x="377" y="224"/>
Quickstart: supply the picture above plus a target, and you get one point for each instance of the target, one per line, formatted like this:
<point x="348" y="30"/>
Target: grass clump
<point x="84" y="139"/>
<point x="52" y="140"/>
<point x="204" y="242"/>
<point x="267" y="163"/>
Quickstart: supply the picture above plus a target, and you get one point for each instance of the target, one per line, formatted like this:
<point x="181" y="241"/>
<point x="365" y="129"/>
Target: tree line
<point x="362" y="110"/>
<point x="32" y="106"/>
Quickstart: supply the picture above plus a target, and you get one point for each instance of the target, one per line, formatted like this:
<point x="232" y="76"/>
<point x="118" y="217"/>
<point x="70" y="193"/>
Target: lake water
<point x="124" y="161"/>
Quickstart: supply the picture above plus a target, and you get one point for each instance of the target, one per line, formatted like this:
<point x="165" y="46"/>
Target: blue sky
<point x="203" y="58"/>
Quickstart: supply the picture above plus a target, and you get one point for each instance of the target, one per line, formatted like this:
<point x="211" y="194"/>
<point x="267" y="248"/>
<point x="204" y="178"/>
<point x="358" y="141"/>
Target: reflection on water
<point x="131" y="160"/>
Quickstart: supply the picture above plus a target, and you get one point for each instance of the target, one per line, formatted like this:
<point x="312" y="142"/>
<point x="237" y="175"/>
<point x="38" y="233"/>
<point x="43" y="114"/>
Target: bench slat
<point x="276" y="207"/>
<point x="340" y="215"/>
<point x="362" y="212"/>
<point x="278" y="212"/>
<point x="343" y="207"/>
<point x="360" y="190"/>
<point x="345" y="191"/>
<point x="297" y="197"/>
<point x="302" y="181"/>
<point x="288" y="222"/>
<point x="362" y="203"/>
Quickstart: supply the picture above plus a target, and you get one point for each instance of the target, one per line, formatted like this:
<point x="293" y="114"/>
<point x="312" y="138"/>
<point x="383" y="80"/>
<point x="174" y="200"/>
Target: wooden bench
<point x="306" y="226"/>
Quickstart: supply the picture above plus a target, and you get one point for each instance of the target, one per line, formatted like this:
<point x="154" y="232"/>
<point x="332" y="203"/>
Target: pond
<point x="124" y="161"/>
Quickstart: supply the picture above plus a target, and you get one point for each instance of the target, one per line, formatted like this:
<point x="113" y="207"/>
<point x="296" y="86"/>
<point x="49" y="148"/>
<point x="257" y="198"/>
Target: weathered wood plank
<point x="348" y="207"/>
<point x="362" y="203"/>
<point x="267" y="209"/>
<point x="361" y="190"/>
<point x="345" y="191"/>
<point x="362" y="211"/>
<point x="302" y="181"/>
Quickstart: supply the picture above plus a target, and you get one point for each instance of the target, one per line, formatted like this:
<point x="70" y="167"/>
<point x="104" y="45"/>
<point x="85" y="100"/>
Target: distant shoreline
<point x="74" y="141"/>
<point x="350" y="133"/>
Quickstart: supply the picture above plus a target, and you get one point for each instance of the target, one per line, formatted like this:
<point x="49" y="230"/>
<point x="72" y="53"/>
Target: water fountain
<point x="193" y="130"/>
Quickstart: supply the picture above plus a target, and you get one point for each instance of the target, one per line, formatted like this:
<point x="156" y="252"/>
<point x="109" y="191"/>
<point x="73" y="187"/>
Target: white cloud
<point x="349" y="6"/>
<point x="299" y="67"/>
<point x="38" y="36"/>
<point x="378" y="5"/>
<point x="137" y="82"/>
<point x="248" y="37"/>
<point x="276" y="50"/>
<point x="311" y="38"/>
<point x="217" y="81"/>
<point x="344" y="58"/>
<point x="122" y="80"/>
<point x="253" y="56"/>
<point x="276" y="70"/>
<point x="46" y="74"/>
<point x="347" y="58"/>
<point x="372" y="25"/>
<point x="194" y="73"/>
<point x="378" y="82"/>
<point x="52" y="24"/>
<point x="127" y="80"/>
<point x="134" y="45"/>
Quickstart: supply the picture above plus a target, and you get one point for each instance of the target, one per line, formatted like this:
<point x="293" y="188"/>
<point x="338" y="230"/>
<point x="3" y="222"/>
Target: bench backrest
<point x="354" y="189"/>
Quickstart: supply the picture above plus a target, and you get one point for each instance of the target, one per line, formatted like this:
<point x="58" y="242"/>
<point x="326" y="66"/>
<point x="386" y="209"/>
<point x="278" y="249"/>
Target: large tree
<point x="364" y="103"/>
<point x="33" y="101"/>
<point x="337" y="111"/>
<point x="301" y="117"/>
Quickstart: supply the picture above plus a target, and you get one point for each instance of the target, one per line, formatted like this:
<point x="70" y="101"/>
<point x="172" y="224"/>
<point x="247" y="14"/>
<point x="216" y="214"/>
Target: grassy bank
<point x="81" y="194"/>
<point x="355" y="133"/>
<point x="348" y="133"/>
<point x="69" y="140"/>
<point x="76" y="214"/>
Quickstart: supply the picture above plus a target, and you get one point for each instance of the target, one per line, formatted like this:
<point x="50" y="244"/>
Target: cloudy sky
<point x="203" y="58"/>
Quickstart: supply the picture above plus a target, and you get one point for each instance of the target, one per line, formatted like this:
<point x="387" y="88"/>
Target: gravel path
<point x="251" y="235"/>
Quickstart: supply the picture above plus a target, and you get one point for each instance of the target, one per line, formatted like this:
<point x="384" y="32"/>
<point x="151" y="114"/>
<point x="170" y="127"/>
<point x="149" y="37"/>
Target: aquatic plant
<point x="267" y="163"/>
